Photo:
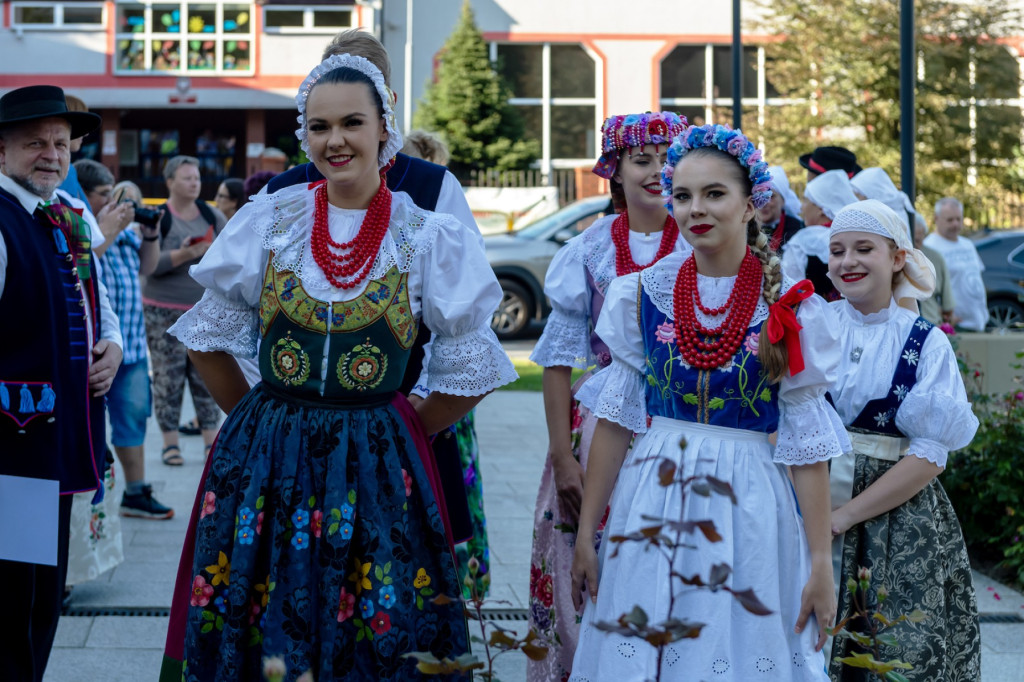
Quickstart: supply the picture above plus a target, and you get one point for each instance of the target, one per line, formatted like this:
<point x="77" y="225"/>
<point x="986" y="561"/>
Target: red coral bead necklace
<point x="707" y="348"/>
<point x="624" y="263"/>
<point x="348" y="269"/>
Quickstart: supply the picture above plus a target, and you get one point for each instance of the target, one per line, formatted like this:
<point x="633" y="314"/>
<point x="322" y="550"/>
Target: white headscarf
<point x="364" y="66"/>
<point x="875" y="183"/>
<point x="830" y="191"/>
<point x="873" y="216"/>
<point x="780" y="184"/>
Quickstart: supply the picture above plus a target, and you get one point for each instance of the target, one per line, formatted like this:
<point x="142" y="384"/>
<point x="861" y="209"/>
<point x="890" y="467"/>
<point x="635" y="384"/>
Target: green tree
<point x="838" y="61"/>
<point x="467" y="104"/>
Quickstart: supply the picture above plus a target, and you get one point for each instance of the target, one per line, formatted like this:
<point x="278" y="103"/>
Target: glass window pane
<point x="521" y="67"/>
<point x="723" y="71"/>
<point x="131" y="18"/>
<point x="166" y="19"/>
<point x="332" y="19"/>
<point x="283" y="18"/>
<point x="34" y="15"/>
<point x="236" y="19"/>
<point x="202" y="55"/>
<point x="82" y="15"/>
<point x="572" y="72"/>
<point x="572" y="132"/>
<point x="166" y="55"/>
<point x="131" y="55"/>
<point x="533" y="118"/>
<point x="202" y="18"/>
<point x="236" y="55"/>
<point x="682" y="72"/>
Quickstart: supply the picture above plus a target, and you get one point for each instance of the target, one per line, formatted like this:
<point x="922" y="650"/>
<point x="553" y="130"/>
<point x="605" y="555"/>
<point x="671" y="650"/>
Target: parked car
<point x="1003" y="255"/>
<point x="520" y="260"/>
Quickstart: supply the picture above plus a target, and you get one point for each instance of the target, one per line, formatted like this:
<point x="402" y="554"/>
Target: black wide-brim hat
<point x="36" y="102"/>
<point x="825" y="159"/>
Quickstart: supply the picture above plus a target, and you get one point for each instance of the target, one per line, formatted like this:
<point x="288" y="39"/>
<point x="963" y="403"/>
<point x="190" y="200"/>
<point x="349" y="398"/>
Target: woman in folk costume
<point x="642" y="233"/>
<point x="902" y="398"/>
<point x="321" y="537"/>
<point x="721" y="352"/>
<point x="780" y="217"/>
<point x="806" y="253"/>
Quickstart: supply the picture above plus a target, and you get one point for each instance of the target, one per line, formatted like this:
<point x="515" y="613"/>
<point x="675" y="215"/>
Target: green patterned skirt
<point x="917" y="552"/>
<point x="476" y="546"/>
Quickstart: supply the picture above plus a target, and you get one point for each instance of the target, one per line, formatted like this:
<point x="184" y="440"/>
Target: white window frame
<point x="546" y="101"/>
<point x="183" y="37"/>
<point x="58" y="16"/>
<point x="308" y="26"/>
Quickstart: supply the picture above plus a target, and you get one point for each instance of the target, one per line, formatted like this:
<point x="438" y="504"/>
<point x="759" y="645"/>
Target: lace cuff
<point x="215" y="323"/>
<point x="564" y="343"/>
<point x="468" y="365"/>
<point x="931" y="450"/>
<point x="616" y="393"/>
<point x="810" y="431"/>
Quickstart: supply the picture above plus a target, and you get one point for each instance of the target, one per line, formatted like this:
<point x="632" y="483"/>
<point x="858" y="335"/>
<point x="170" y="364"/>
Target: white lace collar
<point x="284" y="222"/>
<point x="878" y="317"/>
<point x="659" y="281"/>
<point x="595" y="249"/>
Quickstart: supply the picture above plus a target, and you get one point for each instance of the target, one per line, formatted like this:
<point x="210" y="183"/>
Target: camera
<point x="144" y="215"/>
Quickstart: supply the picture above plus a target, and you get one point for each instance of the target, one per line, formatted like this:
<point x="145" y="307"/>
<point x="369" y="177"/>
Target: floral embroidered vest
<point x="738" y="396"/>
<point x="370" y="338"/>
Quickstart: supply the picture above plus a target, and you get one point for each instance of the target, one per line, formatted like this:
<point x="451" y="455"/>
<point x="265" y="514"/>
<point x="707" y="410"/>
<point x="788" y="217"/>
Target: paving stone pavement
<point x="512" y="435"/>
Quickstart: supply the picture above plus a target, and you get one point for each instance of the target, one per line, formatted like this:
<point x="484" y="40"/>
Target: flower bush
<point x="985" y="480"/>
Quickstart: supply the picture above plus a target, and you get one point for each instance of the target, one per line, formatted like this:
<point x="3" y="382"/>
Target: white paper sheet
<point x="28" y="519"/>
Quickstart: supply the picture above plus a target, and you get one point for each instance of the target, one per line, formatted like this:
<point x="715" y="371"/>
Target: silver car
<point x="520" y="261"/>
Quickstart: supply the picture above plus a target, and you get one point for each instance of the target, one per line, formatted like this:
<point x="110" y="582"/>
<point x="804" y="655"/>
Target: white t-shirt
<point x="965" y="269"/>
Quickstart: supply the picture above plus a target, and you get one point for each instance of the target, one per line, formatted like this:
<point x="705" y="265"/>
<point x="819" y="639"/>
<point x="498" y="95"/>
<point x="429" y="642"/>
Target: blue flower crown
<point x="732" y="142"/>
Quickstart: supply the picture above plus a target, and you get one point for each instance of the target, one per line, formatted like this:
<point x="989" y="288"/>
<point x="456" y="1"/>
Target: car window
<point x="1017" y="257"/>
<point x="568" y="216"/>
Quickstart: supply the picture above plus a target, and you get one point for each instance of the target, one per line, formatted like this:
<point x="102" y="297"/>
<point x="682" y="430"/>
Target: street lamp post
<point x="907" y="83"/>
<point x="737" y="66"/>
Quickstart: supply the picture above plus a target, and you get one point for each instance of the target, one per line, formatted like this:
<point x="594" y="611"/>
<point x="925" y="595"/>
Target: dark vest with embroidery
<point x="370" y="337"/>
<point x="738" y="398"/>
<point x="50" y="427"/>
<point x="879" y="415"/>
<point x="421" y="180"/>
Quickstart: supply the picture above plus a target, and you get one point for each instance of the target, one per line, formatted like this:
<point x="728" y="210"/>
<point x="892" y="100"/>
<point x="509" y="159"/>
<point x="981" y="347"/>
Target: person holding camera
<point x="125" y="252"/>
<point x="185" y="232"/>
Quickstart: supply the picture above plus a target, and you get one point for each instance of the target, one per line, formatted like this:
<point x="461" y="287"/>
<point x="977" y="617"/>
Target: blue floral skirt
<point x="319" y="542"/>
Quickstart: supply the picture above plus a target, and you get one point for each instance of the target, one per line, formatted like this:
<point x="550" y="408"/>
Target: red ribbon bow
<point x="782" y="323"/>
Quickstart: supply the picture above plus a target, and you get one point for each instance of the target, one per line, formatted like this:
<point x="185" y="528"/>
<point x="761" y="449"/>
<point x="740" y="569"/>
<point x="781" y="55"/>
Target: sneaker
<point x="144" y="506"/>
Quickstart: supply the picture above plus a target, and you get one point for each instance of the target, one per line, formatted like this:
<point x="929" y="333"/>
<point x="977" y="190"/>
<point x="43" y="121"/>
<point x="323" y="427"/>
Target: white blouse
<point x="565" y="341"/>
<point x="808" y="241"/>
<point x="809" y="429"/>
<point x="451" y="285"/>
<point x="935" y="414"/>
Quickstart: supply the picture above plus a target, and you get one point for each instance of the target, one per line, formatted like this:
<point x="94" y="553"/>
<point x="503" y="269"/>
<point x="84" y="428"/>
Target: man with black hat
<point x="58" y="358"/>
<point x="824" y="159"/>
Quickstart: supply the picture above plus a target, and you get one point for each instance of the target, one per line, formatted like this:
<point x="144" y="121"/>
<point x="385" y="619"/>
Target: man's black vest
<point x="50" y="426"/>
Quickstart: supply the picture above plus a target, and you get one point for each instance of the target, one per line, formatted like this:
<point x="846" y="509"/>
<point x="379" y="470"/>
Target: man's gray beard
<point x="39" y="191"/>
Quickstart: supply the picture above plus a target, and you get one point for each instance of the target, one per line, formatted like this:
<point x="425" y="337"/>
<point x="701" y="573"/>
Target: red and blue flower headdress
<point x="635" y="130"/>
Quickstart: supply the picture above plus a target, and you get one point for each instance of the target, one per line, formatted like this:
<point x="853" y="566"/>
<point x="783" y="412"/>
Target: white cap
<point x="830" y="191"/>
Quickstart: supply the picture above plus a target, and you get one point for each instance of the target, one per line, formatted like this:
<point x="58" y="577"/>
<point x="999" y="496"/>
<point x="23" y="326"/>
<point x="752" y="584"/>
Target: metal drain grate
<point x="1002" y="618"/>
<point x="90" y="611"/>
<point x="504" y="614"/>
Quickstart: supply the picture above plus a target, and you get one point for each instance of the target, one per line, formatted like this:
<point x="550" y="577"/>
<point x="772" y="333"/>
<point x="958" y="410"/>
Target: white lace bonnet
<point x="364" y="66"/>
<point x="873" y="216"/>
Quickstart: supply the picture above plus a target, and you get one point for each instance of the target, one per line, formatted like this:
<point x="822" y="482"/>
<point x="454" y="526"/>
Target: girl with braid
<point x="720" y="350"/>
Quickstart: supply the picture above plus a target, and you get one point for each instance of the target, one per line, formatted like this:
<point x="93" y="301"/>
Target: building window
<point x="292" y="19"/>
<point x="194" y="38"/>
<point x="556" y="89"/>
<point x="58" y="15"/>
<point x="687" y="71"/>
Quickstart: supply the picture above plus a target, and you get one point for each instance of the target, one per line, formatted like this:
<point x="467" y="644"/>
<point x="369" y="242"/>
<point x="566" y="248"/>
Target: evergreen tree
<point x="839" y="62"/>
<point x="467" y="105"/>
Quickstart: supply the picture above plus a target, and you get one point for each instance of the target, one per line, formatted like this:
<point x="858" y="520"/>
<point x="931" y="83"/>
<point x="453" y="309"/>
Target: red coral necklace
<point x="624" y="263"/>
<point x="348" y="269"/>
<point x="707" y="348"/>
